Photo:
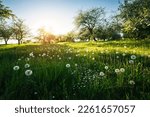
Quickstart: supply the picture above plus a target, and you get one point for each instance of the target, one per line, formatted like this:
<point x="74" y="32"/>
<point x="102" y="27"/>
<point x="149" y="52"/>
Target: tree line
<point x="131" y="21"/>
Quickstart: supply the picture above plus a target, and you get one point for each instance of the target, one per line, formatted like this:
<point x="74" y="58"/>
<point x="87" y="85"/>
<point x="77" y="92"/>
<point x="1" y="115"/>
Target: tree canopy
<point x="5" y="12"/>
<point x="89" y="19"/>
<point x="136" y="18"/>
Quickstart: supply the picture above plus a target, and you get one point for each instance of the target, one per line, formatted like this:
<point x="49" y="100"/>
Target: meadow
<point x="83" y="70"/>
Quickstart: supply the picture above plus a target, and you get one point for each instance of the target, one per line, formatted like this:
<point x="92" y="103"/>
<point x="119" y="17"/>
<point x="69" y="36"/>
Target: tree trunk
<point x="91" y="34"/>
<point x="18" y="42"/>
<point x="6" y="41"/>
<point x="94" y="39"/>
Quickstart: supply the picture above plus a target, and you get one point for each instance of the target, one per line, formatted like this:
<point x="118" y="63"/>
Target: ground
<point x="83" y="70"/>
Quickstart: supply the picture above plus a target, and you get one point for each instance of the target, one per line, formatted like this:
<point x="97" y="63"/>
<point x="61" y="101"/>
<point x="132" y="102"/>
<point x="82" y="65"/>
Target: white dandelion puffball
<point x="117" y="57"/>
<point x="131" y="61"/>
<point x="28" y="72"/>
<point x="26" y="65"/>
<point x="122" y="70"/>
<point x="31" y="54"/>
<point x="117" y="70"/>
<point x="15" y="68"/>
<point x="106" y="67"/>
<point x="75" y="64"/>
<point x="133" y="57"/>
<point x="67" y="65"/>
<point x="69" y="58"/>
<point x="101" y="73"/>
<point x="123" y="54"/>
<point x="131" y="82"/>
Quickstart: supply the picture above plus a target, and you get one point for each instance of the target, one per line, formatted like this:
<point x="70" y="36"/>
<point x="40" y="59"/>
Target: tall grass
<point x="76" y="71"/>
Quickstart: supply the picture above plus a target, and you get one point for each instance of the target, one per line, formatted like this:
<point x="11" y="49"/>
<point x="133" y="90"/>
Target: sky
<point x="57" y="16"/>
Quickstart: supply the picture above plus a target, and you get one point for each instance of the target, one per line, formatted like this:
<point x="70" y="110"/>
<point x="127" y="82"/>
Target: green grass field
<point x="83" y="70"/>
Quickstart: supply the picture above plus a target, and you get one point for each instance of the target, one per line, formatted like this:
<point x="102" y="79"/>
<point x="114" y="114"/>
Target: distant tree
<point x="70" y="36"/>
<point x="20" y="30"/>
<point x="136" y="18"/>
<point x="6" y="31"/>
<point x="89" y="20"/>
<point x="45" y="37"/>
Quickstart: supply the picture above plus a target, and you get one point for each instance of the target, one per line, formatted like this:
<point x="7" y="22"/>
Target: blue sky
<point x="56" y="16"/>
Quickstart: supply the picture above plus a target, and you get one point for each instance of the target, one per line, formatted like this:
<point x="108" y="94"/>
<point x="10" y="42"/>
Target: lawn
<point x="83" y="70"/>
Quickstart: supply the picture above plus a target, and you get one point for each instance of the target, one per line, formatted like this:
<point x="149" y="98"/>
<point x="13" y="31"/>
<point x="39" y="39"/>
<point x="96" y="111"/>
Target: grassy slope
<point x="82" y="80"/>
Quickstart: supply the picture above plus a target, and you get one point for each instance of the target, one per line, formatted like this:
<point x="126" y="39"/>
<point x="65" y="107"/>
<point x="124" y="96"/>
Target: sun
<point x="52" y="25"/>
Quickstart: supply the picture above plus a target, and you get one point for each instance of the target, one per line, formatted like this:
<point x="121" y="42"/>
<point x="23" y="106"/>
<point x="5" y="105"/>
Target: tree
<point x="20" y="30"/>
<point x="5" y="31"/>
<point x="89" y="20"/>
<point x="44" y="36"/>
<point x="5" y="12"/>
<point x="136" y="18"/>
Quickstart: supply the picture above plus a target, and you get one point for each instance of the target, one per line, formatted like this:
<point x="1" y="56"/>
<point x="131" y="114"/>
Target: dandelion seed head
<point x="133" y="57"/>
<point x="75" y="64"/>
<point x="106" y="67"/>
<point x="117" y="70"/>
<point x="26" y="65"/>
<point x="117" y="57"/>
<point x="93" y="58"/>
<point x="122" y="70"/>
<point x="16" y="68"/>
<point x="19" y="59"/>
<point x="69" y="58"/>
<point x="131" y="82"/>
<point x="131" y="61"/>
<point x="28" y="72"/>
<point x="123" y="54"/>
<point x="101" y="73"/>
<point x="67" y="65"/>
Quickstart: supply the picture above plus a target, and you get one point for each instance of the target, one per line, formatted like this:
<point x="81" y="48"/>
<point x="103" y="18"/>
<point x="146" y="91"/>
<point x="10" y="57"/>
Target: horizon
<point x="56" y="16"/>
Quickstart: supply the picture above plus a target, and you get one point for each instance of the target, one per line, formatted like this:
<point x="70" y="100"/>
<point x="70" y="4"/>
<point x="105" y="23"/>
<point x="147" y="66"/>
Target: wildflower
<point x="93" y="58"/>
<point x="31" y="54"/>
<point x="67" y="65"/>
<point x="117" y="52"/>
<point x="122" y="70"/>
<point x="35" y="93"/>
<point x="26" y="65"/>
<point x="106" y="67"/>
<point x="76" y="65"/>
<point x="101" y="73"/>
<point x="123" y="54"/>
<point x="28" y="72"/>
<point x="117" y="57"/>
<point x="19" y="59"/>
<point x="133" y="57"/>
<point x="69" y="58"/>
<point x="131" y="61"/>
<point x="117" y="70"/>
<point x="43" y="54"/>
<point x="16" y="68"/>
<point x="131" y="82"/>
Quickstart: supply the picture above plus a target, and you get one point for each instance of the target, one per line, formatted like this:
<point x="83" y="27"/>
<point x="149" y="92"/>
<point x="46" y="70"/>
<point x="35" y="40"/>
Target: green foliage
<point x="20" y="30"/>
<point x="86" y="76"/>
<point x="5" y="12"/>
<point x="6" y="31"/>
<point x="89" y="19"/>
<point x="136" y="18"/>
